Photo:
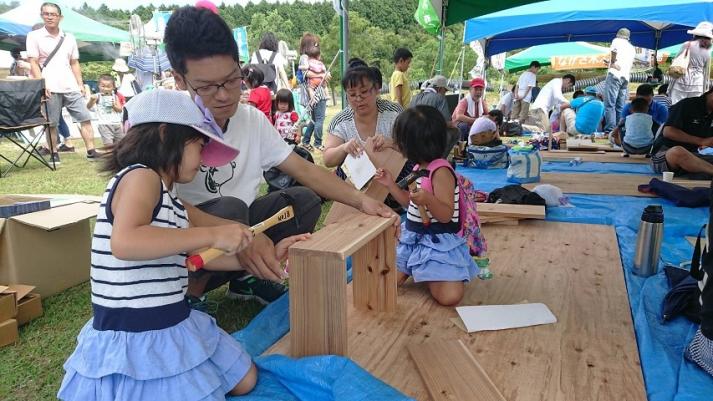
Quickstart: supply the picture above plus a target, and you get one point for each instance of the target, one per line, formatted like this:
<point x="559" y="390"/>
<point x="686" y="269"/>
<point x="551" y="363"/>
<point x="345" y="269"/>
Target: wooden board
<point x="590" y="354"/>
<point x="511" y="211"/>
<point x="450" y="372"/>
<point x="343" y="238"/>
<point x="389" y="160"/>
<point x="374" y="273"/>
<point x="600" y="156"/>
<point x="588" y="145"/>
<point x="604" y="184"/>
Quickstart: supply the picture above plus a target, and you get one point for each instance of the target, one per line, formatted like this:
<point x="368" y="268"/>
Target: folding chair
<point x="23" y="107"/>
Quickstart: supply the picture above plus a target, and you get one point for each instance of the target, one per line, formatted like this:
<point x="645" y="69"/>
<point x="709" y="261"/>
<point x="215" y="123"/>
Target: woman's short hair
<point x="420" y="133"/>
<point x="358" y="73"/>
<point x="268" y="42"/>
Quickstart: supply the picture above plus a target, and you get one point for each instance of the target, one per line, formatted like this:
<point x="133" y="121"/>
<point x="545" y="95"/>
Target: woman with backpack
<point x="271" y="63"/>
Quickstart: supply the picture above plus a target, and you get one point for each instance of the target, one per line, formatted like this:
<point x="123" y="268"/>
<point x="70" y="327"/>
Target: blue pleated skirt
<point x="193" y="360"/>
<point x="434" y="257"/>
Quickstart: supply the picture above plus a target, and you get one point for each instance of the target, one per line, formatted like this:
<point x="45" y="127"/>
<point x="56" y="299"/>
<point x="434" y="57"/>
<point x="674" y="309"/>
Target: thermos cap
<point x="652" y="214"/>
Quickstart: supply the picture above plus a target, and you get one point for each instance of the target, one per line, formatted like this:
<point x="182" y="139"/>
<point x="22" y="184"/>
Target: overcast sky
<point x="132" y="4"/>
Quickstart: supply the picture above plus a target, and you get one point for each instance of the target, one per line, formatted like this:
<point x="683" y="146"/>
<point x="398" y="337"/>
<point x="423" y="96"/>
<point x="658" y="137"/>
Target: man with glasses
<point x="204" y="57"/>
<point x="54" y="56"/>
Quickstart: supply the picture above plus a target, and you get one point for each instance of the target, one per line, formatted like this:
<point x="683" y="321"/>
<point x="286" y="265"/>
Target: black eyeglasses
<point x="51" y="15"/>
<point x="210" y="90"/>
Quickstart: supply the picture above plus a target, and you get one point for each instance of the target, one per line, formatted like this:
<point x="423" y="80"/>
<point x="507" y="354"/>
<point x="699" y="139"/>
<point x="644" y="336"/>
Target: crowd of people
<point x="186" y="167"/>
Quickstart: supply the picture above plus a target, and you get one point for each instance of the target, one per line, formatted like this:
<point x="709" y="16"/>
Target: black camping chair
<point x="22" y="108"/>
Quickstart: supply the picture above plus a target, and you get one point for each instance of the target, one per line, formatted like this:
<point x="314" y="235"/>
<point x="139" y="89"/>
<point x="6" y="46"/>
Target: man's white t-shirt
<point x="526" y="80"/>
<point x="550" y="96"/>
<point x="261" y="148"/>
<point x="58" y="73"/>
<point x="624" y="57"/>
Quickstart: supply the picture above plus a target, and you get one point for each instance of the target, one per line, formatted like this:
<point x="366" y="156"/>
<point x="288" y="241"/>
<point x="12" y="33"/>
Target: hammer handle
<point x="421" y="209"/>
<point x="199" y="260"/>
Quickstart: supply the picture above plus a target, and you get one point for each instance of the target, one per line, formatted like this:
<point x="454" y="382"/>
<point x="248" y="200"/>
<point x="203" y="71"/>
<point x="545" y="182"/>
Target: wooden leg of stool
<point x="318" y="304"/>
<point x="374" y="274"/>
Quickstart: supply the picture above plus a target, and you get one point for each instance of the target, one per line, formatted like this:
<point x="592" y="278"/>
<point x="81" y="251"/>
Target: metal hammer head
<point x="413" y="176"/>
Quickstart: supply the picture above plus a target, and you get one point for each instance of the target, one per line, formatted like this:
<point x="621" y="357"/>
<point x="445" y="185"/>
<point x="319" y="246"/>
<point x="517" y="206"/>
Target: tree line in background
<point x="377" y="28"/>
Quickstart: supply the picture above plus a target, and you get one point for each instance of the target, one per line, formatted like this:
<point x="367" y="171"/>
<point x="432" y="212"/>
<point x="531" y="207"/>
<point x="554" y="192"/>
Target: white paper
<point x="360" y="170"/>
<point x="500" y="317"/>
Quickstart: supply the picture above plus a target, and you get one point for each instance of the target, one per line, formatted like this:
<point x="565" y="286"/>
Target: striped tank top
<point x="415" y="223"/>
<point x="137" y="295"/>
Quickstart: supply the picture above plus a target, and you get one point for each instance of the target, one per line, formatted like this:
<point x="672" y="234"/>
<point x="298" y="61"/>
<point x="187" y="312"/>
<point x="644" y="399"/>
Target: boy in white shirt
<point x="522" y="95"/>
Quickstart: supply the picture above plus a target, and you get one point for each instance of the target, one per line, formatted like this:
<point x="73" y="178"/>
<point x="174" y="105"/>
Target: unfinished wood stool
<point x="318" y="281"/>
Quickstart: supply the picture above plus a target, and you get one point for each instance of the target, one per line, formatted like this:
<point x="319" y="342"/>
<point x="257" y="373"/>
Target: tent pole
<point x="442" y="42"/>
<point x="460" y="78"/>
<point x="344" y="36"/>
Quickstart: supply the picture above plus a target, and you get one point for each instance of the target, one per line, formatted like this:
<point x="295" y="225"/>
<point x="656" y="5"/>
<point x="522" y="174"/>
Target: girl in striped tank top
<point x="144" y="342"/>
<point x="429" y="249"/>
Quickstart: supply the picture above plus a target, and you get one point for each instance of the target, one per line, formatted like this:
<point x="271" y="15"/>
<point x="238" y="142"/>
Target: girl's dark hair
<point x="285" y="96"/>
<point x="356" y="62"/>
<point x="268" y="42"/>
<point x="497" y="115"/>
<point x="144" y="144"/>
<point x="252" y="75"/>
<point x="420" y="133"/>
<point x="358" y="73"/>
<point x="196" y="33"/>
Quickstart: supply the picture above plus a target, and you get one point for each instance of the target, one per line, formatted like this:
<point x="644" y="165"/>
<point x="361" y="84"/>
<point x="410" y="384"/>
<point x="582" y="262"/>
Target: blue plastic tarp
<point x="591" y="21"/>
<point x="667" y="375"/>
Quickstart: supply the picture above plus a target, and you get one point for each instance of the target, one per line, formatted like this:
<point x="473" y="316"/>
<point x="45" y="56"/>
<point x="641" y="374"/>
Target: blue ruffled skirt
<point x="434" y="257"/>
<point x="193" y="360"/>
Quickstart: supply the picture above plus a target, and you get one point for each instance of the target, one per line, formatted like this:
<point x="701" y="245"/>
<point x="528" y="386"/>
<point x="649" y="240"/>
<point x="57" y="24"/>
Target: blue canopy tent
<point x="9" y="28"/>
<point x="653" y="23"/>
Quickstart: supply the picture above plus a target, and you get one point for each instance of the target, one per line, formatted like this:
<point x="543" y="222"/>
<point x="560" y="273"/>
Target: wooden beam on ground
<point x="502" y="210"/>
<point x="589" y="354"/>
<point x="594" y="156"/>
<point x="318" y="282"/>
<point x="588" y="145"/>
<point x="389" y="160"/>
<point x="450" y="372"/>
<point x="604" y="184"/>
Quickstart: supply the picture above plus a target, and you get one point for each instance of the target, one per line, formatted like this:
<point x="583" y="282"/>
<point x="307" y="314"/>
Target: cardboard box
<point x="14" y="205"/>
<point x="12" y="297"/>
<point x="29" y="308"/>
<point x="8" y="306"/>
<point x="8" y="332"/>
<point x="49" y="249"/>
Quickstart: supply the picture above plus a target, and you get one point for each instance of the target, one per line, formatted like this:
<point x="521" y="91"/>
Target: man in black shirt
<point x="688" y="128"/>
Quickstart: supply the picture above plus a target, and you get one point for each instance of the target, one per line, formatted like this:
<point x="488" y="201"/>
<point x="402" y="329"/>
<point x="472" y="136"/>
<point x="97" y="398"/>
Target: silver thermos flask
<point x="648" y="241"/>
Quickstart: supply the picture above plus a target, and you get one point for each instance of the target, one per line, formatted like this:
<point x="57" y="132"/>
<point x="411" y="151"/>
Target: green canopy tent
<point x="545" y="53"/>
<point x="431" y="13"/>
<point x="83" y="28"/>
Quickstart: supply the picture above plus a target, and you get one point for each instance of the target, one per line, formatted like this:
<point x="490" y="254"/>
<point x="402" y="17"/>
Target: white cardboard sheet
<point x="500" y="317"/>
<point x="360" y="170"/>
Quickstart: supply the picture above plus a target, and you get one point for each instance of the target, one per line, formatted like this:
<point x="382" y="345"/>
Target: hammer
<point x="199" y="260"/>
<point x="410" y="182"/>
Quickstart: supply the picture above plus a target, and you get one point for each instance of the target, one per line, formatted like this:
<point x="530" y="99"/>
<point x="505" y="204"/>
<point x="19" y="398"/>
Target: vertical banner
<point x="240" y="34"/>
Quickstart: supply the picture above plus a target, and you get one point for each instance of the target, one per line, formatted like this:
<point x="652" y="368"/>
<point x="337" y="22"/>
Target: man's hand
<point x="82" y="90"/>
<point x="283" y="246"/>
<point x="259" y="259"/>
<point x="48" y="94"/>
<point x="707" y="142"/>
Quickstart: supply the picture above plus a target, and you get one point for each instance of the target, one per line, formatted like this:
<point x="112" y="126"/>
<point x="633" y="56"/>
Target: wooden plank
<point x="511" y="211"/>
<point x="692" y="183"/>
<point x="450" y="372"/>
<point x="590" y="354"/>
<point x="318" y="305"/>
<point x="588" y="145"/>
<point x="374" y="273"/>
<point x="598" y="156"/>
<point x="345" y="237"/>
<point x="603" y="184"/>
<point x="389" y="160"/>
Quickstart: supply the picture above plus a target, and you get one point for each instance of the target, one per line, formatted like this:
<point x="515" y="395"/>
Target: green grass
<point x="32" y="368"/>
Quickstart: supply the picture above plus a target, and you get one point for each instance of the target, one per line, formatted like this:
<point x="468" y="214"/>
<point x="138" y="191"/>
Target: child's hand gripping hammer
<point x="199" y="260"/>
<point x="410" y="182"/>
